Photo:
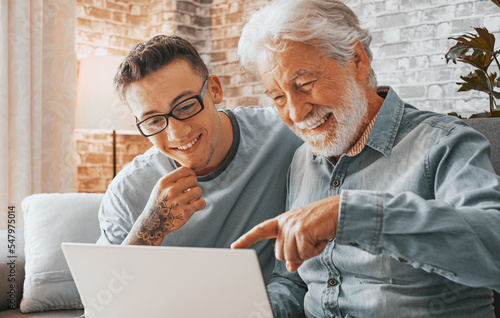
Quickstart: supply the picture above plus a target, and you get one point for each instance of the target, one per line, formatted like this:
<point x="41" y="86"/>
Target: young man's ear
<point x="362" y="61"/>
<point x="215" y="89"/>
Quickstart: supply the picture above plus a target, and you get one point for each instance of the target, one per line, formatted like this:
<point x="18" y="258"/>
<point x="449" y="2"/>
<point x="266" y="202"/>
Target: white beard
<point x="343" y="132"/>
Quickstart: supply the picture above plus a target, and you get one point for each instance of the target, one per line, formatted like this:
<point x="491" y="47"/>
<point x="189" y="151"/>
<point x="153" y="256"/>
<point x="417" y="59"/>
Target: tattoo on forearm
<point x="159" y="221"/>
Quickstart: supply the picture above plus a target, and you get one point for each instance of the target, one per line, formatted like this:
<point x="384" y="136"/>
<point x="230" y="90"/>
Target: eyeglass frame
<point x="171" y="113"/>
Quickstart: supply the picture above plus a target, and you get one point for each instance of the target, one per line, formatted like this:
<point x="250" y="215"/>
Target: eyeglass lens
<point x="184" y="110"/>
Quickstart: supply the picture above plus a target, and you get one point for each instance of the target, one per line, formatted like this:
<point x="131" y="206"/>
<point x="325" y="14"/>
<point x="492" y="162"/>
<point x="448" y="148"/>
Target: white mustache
<point x="315" y="119"/>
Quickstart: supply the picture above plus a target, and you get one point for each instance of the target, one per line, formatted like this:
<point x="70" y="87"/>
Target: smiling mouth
<point x="189" y="145"/>
<point x="310" y="126"/>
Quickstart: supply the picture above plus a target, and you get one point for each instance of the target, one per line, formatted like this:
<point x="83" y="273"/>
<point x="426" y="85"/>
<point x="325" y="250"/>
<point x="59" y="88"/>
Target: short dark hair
<point x="148" y="57"/>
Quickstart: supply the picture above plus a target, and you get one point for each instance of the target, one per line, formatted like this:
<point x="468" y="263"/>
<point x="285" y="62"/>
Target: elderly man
<point x="394" y="212"/>
<point x="211" y="175"/>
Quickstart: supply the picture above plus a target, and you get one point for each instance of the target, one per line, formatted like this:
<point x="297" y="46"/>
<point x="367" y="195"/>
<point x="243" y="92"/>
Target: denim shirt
<point x="419" y="222"/>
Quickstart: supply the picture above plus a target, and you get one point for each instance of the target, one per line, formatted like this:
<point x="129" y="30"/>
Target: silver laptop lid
<point x="177" y="282"/>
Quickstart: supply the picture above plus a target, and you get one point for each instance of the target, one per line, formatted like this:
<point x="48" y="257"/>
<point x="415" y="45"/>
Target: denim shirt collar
<point x="387" y="124"/>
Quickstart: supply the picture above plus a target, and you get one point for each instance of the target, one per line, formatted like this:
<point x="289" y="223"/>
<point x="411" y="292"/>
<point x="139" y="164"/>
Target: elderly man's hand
<point x="300" y="234"/>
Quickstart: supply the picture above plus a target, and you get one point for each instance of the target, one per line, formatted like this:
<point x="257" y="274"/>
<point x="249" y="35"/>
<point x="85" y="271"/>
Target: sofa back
<point x="490" y="128"/>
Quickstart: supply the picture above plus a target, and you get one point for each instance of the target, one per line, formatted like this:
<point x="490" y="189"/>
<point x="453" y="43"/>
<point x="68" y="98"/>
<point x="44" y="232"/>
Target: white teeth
<point x="189" y="145"/>
<point x="312" y="125"/>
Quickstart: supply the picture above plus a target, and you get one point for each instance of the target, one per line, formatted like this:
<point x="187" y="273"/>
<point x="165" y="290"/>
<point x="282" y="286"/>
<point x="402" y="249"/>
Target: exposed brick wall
<point x="410" y="39"/>
<point x="95" y="160"/>
<point x="95" y="156"/>
<point x="228" y="17"/>
<point x="107" y="27"/>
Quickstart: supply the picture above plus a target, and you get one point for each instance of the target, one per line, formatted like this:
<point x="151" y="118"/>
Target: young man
<point x="211" y="175"/>
<point x="394" y="211"/>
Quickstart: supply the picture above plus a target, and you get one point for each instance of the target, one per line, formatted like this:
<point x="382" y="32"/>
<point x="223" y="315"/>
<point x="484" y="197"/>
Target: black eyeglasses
<point x="184" y="110"/>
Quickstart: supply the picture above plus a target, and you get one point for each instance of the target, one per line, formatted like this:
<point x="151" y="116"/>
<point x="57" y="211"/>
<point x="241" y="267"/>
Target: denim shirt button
<point x="332" y="282"/>
<point x="336" y="183"/>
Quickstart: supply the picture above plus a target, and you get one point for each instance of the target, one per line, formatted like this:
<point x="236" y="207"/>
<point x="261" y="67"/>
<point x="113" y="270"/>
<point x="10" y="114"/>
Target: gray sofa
<point x="40" y="281"/>
<point x="42" y="278"/>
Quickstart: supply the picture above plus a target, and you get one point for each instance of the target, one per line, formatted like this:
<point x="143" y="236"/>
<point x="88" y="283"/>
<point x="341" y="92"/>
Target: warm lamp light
<point x="98" y="106"/>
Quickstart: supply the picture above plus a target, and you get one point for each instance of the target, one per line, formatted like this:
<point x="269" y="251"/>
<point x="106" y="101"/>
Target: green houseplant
<point x="479" y="51"/>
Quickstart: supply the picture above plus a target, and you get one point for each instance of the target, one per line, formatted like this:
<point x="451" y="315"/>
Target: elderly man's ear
<point x="362" y="62"/>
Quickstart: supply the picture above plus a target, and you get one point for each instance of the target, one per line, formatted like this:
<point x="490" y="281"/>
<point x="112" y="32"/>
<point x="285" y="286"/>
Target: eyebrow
<point x="299" y="73"/>
<point x="303" y="72"/>
<point x="173" y="103"/>
<point x="269" y="91"/>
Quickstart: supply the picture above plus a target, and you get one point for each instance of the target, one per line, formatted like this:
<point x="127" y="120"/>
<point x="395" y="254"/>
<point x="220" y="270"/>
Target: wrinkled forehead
<point x="293" y="58"/>
<point x="267" y="61"/>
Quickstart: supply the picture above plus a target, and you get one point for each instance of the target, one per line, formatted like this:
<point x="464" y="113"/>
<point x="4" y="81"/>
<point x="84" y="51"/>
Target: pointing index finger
<point x="265" y="230"/>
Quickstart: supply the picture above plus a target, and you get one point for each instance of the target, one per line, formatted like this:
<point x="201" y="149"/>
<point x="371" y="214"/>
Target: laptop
<point x="178" y="282"/>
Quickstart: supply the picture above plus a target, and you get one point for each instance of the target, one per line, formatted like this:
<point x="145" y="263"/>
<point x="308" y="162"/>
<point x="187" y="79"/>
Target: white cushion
<point x="49" y="220"/>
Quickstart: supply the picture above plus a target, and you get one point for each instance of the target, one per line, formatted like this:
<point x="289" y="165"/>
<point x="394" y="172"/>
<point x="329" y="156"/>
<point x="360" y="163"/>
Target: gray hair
<point x="329" y="25"/>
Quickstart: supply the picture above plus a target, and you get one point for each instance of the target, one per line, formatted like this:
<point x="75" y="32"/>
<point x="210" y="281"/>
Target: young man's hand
<point x="174" y="199"/>
<point x="300" y="234"/>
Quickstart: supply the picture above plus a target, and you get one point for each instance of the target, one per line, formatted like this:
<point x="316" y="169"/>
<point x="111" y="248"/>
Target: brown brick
<point x="132" y="148"/>
<point x="219" y="20"/>
<point x="202" y="21"/>
<point x="134" y="20"/>
<point x="218" y="56"/>
<point x="100" y="14"/>
<point x="231" y="92"/>
<point x="107" y="148"/>
<point x="234" y="18"/>
<point x="186" y="6"/>
<point x="85" y="2"/>
<point x="93" y="185"/>
<point x="93" y="158"/>
<point x="248" y="101"/>
<point x="217" y="11"/>
<point x="116" y="6"/>
<point x="118" y="17"/>
<point x="222" y="44"/>
<point x="88" y="172"/>
<point x="186" y="31"/>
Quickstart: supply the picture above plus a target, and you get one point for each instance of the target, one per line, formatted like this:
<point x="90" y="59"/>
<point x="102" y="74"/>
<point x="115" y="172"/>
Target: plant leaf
<point x="481" y="61"/>
<point x="479" y="49"/>
<point x="474" y="81"/>
<point x="478" y="81"/>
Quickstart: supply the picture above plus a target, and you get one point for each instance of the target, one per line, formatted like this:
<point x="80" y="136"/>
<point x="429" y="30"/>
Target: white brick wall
<point x="410" y="39"/>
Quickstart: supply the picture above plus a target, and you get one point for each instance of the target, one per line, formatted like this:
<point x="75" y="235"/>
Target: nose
<point x="298" y="108"/>
<point x="177" y="129"/>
